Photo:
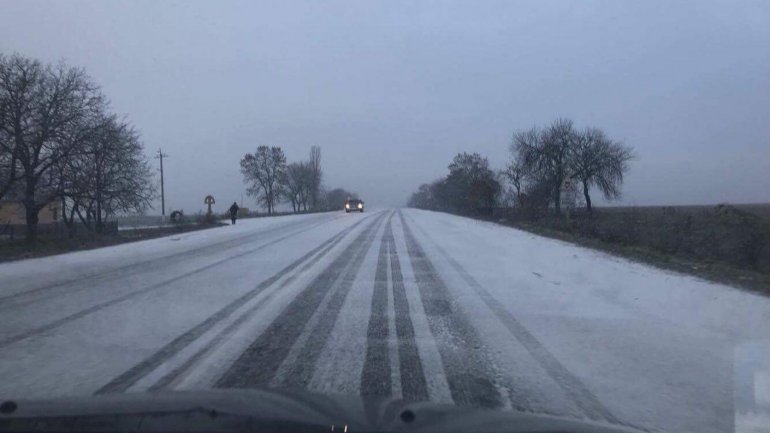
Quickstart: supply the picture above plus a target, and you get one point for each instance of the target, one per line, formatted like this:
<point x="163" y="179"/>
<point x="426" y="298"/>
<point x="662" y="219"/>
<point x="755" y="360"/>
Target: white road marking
<point x="342" y="360"/>
<point x="438" y="388"/>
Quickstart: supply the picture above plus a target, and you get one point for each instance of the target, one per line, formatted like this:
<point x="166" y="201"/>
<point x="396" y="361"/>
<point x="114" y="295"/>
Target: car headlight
<point x="347" y="206"/>
<point x="360" y="205"/>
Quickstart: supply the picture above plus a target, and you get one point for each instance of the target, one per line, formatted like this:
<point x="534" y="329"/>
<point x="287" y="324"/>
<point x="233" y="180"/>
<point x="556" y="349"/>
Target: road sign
<point x="209" y="200"/>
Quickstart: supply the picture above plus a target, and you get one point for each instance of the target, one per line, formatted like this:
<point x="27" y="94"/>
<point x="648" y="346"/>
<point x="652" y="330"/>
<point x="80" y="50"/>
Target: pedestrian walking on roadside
<point x="234" y="212"/>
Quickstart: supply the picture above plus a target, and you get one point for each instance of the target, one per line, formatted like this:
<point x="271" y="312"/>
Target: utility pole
<point x="160" y="156"/>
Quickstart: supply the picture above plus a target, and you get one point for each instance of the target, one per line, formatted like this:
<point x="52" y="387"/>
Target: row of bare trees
<point x="60" y="143"/>
<point x="107" y="176"/>
<point x="470" y="186"/>
<point x="545" y="162"/>
<point x="271" y="180"/>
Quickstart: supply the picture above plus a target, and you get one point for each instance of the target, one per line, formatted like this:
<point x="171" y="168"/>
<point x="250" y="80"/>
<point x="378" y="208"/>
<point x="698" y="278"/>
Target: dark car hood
<point x="270" y="410"/>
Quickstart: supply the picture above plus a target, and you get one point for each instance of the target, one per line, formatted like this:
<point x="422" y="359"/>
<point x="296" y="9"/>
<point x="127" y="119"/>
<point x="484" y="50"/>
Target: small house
<point x="13" y="212"/>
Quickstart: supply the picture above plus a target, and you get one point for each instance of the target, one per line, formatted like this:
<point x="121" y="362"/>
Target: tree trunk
<point x="64" y="212"/>
<point x="68" y="221"/>
<point x="71" y="227"/>
<point x="313" y="198"/>
<point x="32" y="220"/>
<point x="99" y="228"/>
<point x="31" y="211"/>
<point x="557" y="200"/>
<point x="588" y="198"/>
<point x="83" y="220"/>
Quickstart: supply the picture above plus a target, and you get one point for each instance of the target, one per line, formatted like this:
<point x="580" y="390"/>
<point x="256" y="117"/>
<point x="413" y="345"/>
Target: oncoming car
<point x="353" y="204"/>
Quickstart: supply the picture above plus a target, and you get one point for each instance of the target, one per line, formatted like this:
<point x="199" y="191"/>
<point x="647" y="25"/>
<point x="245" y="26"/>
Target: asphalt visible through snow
<point x="393" y="303"/>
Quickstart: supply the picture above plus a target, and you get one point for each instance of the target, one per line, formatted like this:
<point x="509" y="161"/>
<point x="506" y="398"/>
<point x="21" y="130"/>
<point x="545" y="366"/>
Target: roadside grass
<point x="20" y="249"/>
<point x="711" y="270"/>
<point x="724" y="243"/>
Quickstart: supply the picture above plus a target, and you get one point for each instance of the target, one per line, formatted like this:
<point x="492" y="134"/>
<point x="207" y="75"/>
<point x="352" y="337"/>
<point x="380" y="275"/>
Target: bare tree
<point x="546" y="158"/>
<point x="295" y="181"/>
<point x="18" y="80"/>
<point x="309" y="187"/>
<point x="315" y="176"/>
<point x="472" y="183"/>
<point x="108" y="174"/>
<point x="47" y="112"/>
<point x="335" y="198"/>
<point x="516" y="173"/>
<point x="263" y="171"/>
<point x="9" y="172"/>
<point x="596" y="160"/>
<point x="470" y="186"/>
<point x="422" y="198"/>
<point x="547" y="152"/>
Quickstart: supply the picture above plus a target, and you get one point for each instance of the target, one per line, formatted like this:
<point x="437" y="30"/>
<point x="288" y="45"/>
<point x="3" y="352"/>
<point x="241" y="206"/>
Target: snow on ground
<point x="18" y="275"/>
<point x="103" y="325"/>
<point x="414" y="304"/>
<point x="654" y="346"/>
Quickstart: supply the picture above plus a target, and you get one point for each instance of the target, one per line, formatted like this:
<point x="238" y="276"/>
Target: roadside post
<point x="209" y="200"/>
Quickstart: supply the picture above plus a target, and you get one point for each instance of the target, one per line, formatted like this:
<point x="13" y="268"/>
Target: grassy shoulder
<point x="728" y="244"/>
<point x="21" y="249"/>
<point x="710" y="270"/>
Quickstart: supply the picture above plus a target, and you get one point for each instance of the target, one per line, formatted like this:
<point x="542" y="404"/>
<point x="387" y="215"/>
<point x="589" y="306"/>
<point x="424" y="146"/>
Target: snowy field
<point x="408" y="304"/>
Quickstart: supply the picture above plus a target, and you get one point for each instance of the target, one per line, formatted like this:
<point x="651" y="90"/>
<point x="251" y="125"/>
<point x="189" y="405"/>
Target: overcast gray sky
<point x="392" y="90"/>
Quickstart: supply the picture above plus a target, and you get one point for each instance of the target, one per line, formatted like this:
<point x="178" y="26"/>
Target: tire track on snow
<point x="150" y="264"/>
<point x="260" y="362"/>
<point x="469" y="371"/>
<point x="376" y="374"/>
<point x="134" y="374"/>
<point x="100" y="306"/>
<point x="166" y="381"/>
<point x="572" y="386"/>
<point x="413" y="383"/>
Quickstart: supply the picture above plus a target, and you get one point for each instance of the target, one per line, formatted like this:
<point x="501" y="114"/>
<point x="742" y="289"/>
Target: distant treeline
<point x="546" y="165"/>
<point x="470" y="186"/>
<point x="271" y="180"/>
<point x="558" y="168"/>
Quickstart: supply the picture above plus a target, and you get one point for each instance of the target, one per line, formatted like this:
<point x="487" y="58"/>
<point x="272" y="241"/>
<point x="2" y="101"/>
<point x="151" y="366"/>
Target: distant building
<point x="13" y="212"/>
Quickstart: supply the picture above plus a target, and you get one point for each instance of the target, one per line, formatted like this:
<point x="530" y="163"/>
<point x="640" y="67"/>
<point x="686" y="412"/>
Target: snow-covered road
<point x="407" y="303"/>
